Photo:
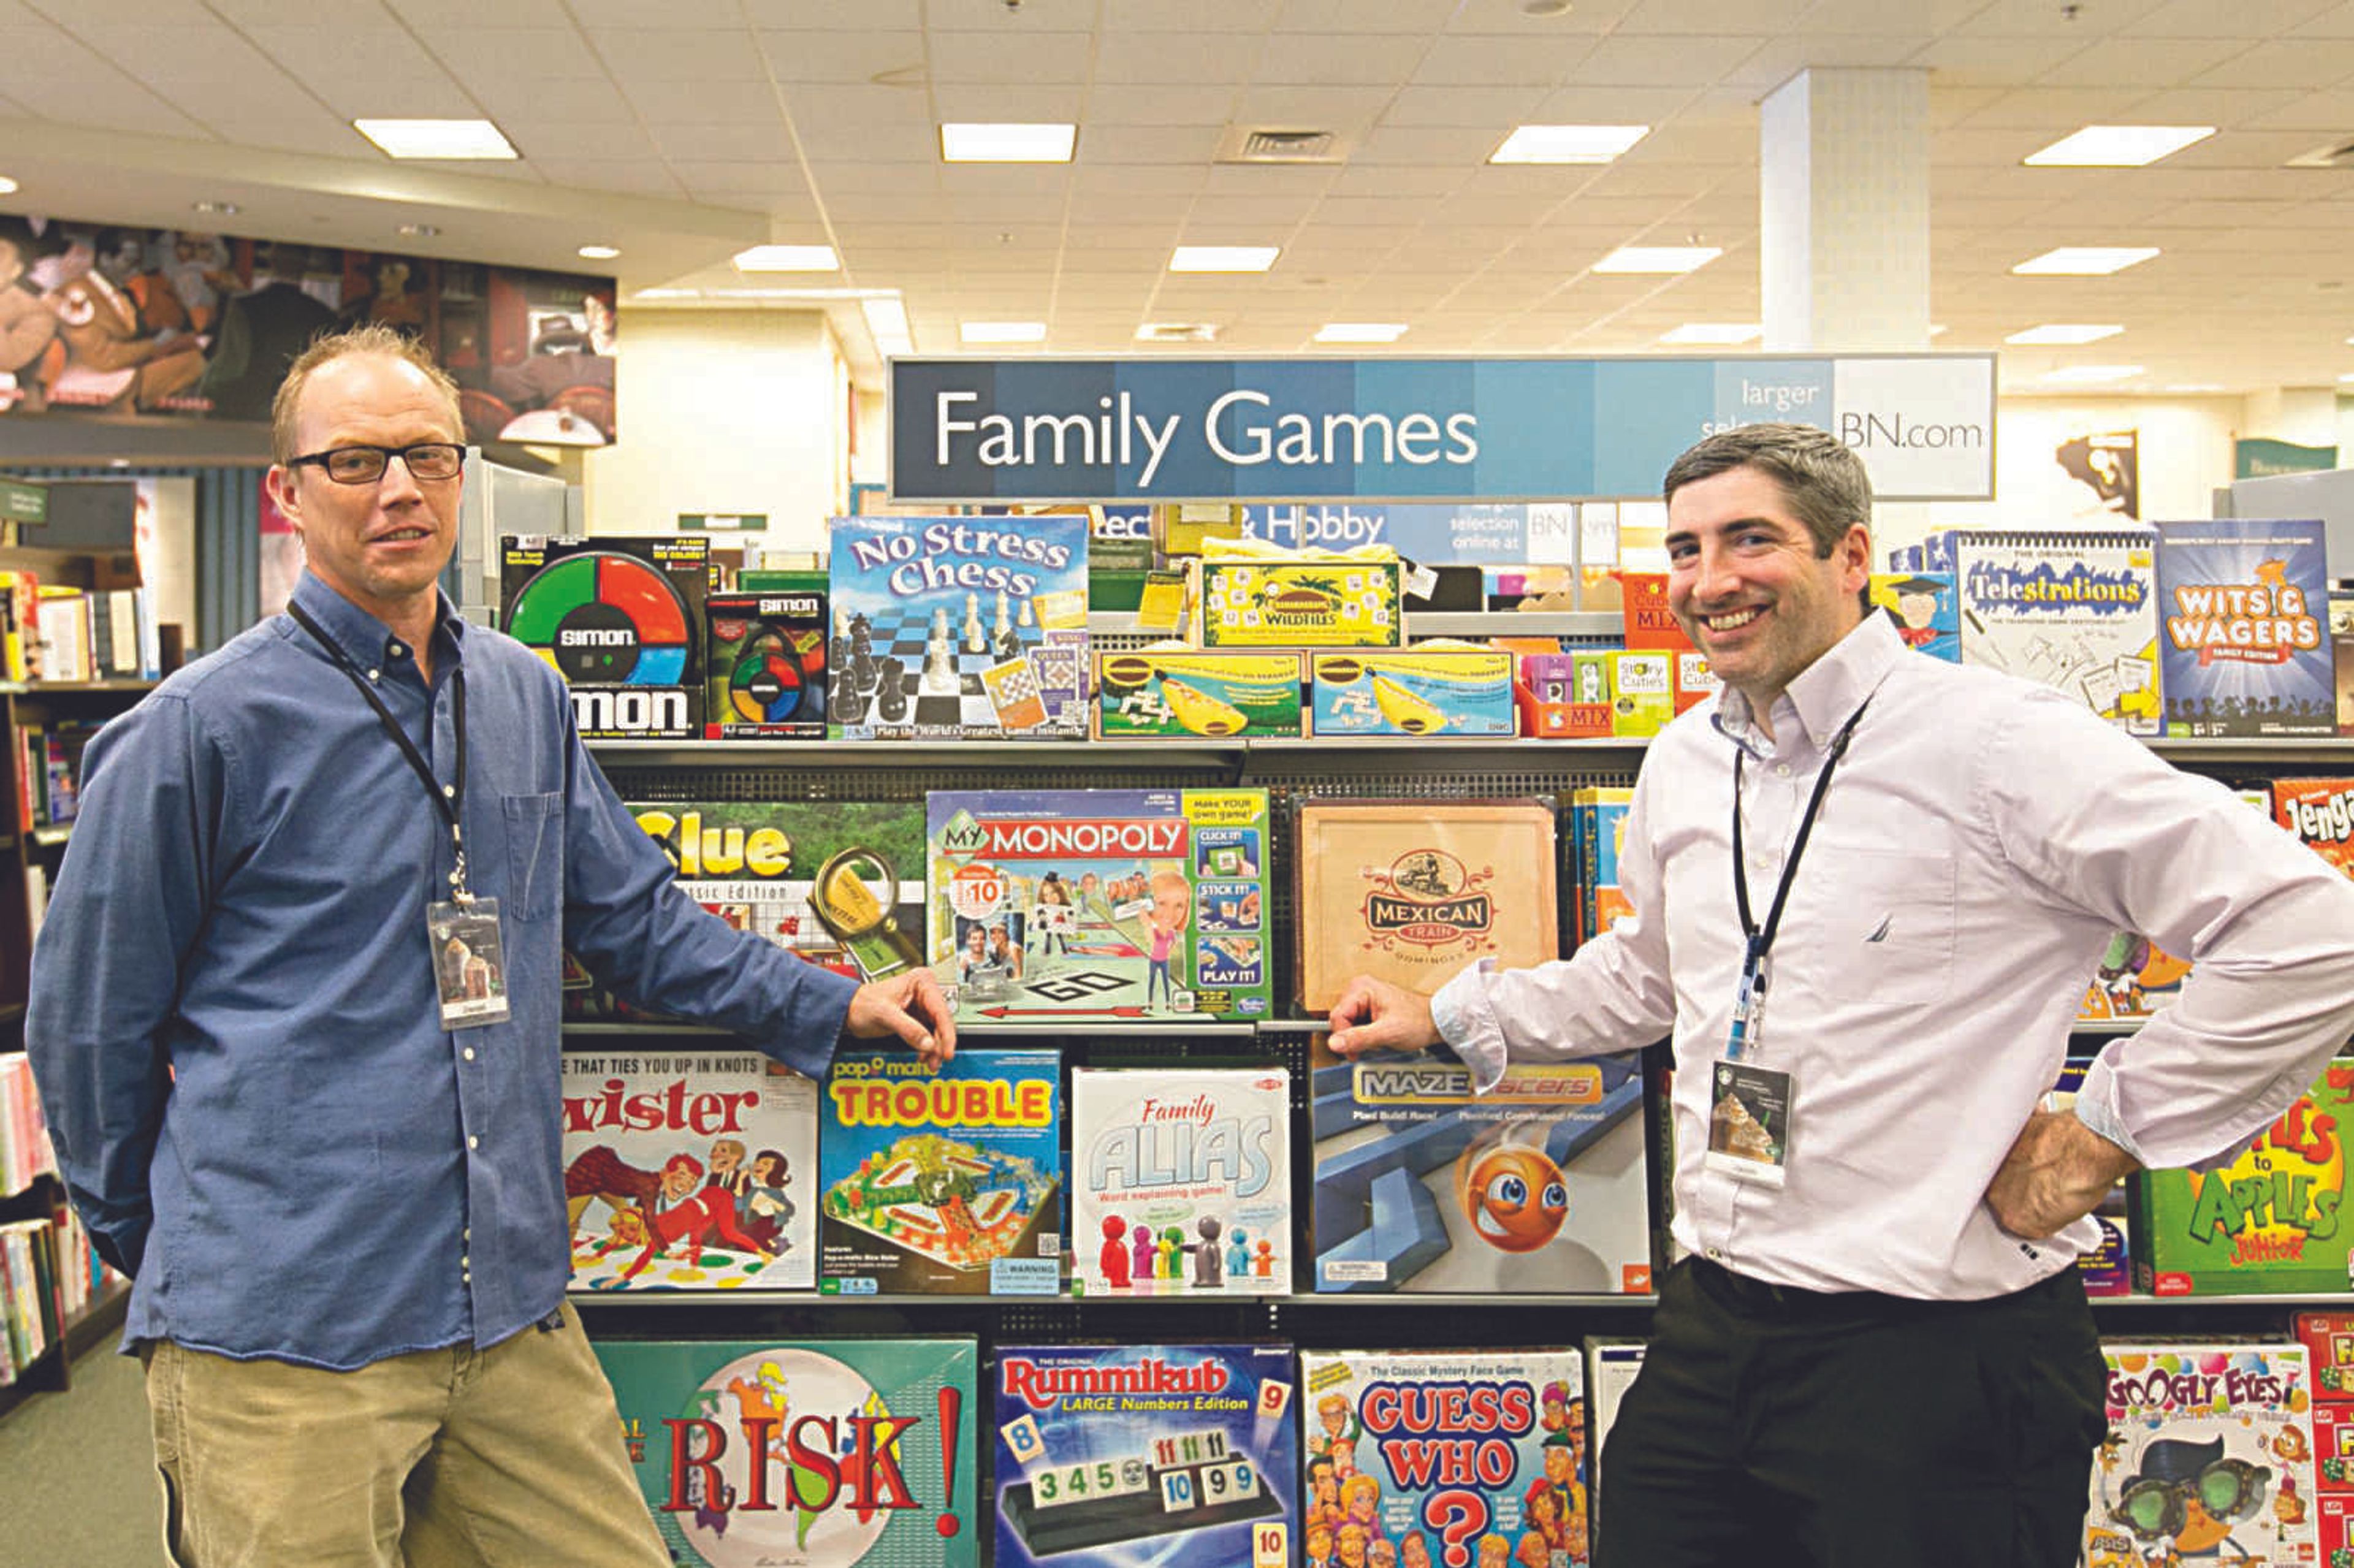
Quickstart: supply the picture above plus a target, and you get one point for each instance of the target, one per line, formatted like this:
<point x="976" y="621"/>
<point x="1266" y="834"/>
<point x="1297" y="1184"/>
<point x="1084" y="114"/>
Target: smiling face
<point x="380" y="545"/>
<point x="1746" y="586"/>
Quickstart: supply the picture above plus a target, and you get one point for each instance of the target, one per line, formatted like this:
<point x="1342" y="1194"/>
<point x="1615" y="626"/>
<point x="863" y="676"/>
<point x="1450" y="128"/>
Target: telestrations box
<point x="1191" y="693"/>
<point x="621" y="620"/>
<point x="1100" y="905"/>
<point x="2075" y="612"/>
<point x="802" y="1453"/>
<point x="945" y="1179"/>
<point x="1539" y="1185"/>
<point x="1117" y="1455"/>
<point x="765" y="675"/>
<point x="1336" y="603"/>
<point x="1415" y="691"/>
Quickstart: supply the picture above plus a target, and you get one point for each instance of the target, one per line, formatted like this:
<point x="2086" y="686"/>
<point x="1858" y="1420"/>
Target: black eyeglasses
<point x="365" y="465"/>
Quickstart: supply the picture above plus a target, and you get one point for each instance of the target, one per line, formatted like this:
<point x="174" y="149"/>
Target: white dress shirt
<point x="1979" y="843"/>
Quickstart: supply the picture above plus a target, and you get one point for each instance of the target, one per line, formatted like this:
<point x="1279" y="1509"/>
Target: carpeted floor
<point x="78" y="1483"/>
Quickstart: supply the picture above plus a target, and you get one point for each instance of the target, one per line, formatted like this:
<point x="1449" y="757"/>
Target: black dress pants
<point x="1774" y="1428"/>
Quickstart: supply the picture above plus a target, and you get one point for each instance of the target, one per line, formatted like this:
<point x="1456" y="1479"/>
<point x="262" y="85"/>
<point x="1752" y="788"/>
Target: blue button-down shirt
<point x="233" y="1019"/>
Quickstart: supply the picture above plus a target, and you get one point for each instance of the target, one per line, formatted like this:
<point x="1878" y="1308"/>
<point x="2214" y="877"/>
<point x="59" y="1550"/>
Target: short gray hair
<point x="1823" y="482"/>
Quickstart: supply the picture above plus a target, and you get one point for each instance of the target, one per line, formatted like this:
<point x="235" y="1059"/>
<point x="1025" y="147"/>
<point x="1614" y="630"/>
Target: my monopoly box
<point x="1415" y="691"/>
<point x="621" y="620"/>
<point x="1337" y="603"/>
<point x="1190" y="693"/>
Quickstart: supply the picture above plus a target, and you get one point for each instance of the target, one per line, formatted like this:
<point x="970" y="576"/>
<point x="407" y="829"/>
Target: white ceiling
<point x="684" y="130"/>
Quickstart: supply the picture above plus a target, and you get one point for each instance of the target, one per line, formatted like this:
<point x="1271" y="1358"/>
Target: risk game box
<point x="1181" y="1180"/>
<point x="2209" y="1457"/>
<point x="2245" y="607"/>
<point x="689" y="1172"/>
<point x="803" y="1454"/>
<point x="2074" y="611"/>
<point x="944" y="1178"/>
<point x="1436" y="1453"/>
<point x="1539" y="1185"/>
<point x="621" y="620"/>
<point x="957" y="628"/>
<point x="766" y="667"/>
<point x="1100" y="905"/>
<point x="1123" y="1456"/>
<point x="2271" y="1222"/>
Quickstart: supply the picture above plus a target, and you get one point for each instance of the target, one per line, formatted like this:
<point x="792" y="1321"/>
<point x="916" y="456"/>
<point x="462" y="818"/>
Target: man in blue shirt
<point x="337" y="1183"/>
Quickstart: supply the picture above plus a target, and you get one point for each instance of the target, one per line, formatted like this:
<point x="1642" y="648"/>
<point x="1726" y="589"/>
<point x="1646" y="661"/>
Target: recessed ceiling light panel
<point x="2092" y="374"/>
<point x="1001" y="332"/>
<point x="1360" y="331"/>
<point x="1722" y="334"/>
<point x="1008" y="143"/>
<point x="1223" y="257"/>
<point x="475" y="139"/>
<point x="598" y="252"/>
<point x="2085" y="260"/>
<point x="1658" y="258"/>
<point x="788" y="259"/>
<point x="1567" y="143"/>
<point x="2051" y="332"/>
<point x="2118" y="147"/>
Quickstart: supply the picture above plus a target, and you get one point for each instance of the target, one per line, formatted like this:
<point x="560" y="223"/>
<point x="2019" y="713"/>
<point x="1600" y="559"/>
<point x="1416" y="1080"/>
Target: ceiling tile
<point x="2322" y="113"/>
<point x="639" y="177"/>
<point x="59" y="78"/>
<point x="993" y="16"/>
<point x="1398" y="181"/>
<point x="324" y="136"/>
<point x="561" y="97"/>
<point x="1147" y="144"/>
<point x="2040" y="18"/>
<point x="1365" y="58"/>
<point x="896" y="107"/>
<point x="1061" y="105"/>
<point x="1011" y="59"/>
<point x="910" y="183"/>
<point x="725" y="143"/>
<point x="2228" y="107"/>
<point x="1980" y="61"/>
<point x="2309" y="63"/>
<point x="1496" y="108"/>
<point x="621" y="140"/>
<point x="522" y="56"/>
<point x="1181" y="59"/>
<point x="826" y="141"/>
<point x="853" y="58"/>
<point x="1139" y="103"/>
<point x="686" y="16"/>
<point x="636" y="54"/>
<point x="2143" y="63"/>
<point x="269" y="13"/>
<point x="1054" y="180"/>
<point x="1757" y="18"/>
<point x="1605" y="104"/>
<point x="1325" y="17"/>
<point x="1776" y="61"/>
<point x="1177" y="178"/>
<point x="1417" y="144"/>
<point x="1622" y="60"/>
<point x="825" y="15"/>
<point x="2053" y="108"/>
<point x="188" y="64"/>
<point x="1476" y="61"/>
<point x="703" y="102"/>
<point x="1191" y="16"/>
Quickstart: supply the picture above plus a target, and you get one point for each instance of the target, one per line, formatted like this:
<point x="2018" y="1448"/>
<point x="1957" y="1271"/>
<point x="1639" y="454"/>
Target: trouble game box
<point x="803" y="1454"/>
<point x="1181" y="1180"/>
<point x="1173" y="1455"/>
<point x="1539" y="1185"/>
<point x="1100" y="905"/>
<point x="1446" y="1446"/>
<point x="621" y="620"/>
<point x="944" y="1178"/>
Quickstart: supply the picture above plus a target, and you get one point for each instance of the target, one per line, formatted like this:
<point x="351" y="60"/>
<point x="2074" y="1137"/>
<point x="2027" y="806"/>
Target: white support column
<point x="1844" y="211"/>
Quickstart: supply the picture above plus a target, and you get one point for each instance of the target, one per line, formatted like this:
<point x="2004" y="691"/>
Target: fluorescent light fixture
<point x="885" y="317"/>
<point x="215" y="208"/>
<point x="788" y="259"/>
<point x="1223" y="257"/>
<point x="1001" y="332"/>
<point x="2085" y="260"/>
<point x="436" y="138"/>
<point x="1360" y="331"/>
<point x="1567" y="143"/>
<point x="598" y="252"/>
<point x="667" y="294"/>
<point x="2064" y="333"/>
<point x="1938" y="329"/>
<point x="419" y="231"/>
<point x="1659" y="259"/>
<point x="1722" y="334"/>
<point x="2196" y="387"/>
<point x="1177" y="332"/>
<point x="1008" y="143"/>
<point x="2118" y="147"/>
<point x="2092" y="374"/>
<point x="7" y="186"/>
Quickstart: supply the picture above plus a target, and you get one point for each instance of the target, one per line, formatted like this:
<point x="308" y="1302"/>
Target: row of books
<point x="48" y="770"/>
<point x="51" y="631"/>
<point x="24" y="1151"/>
<point x="47" y="1276"/>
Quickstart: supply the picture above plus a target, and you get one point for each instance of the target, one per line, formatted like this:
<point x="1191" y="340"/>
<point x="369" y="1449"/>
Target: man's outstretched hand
<point x="1374" y="1015"/>
<point x="910" y="1007"/>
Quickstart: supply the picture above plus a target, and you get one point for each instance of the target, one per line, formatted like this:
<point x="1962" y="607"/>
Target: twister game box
<point x="1104" y="906"/>
<point x="803" y="1454"/>
<point x="1439" y="1453"/>
<point x="941" y="1177"/>
<point x="1125" y="1456"/>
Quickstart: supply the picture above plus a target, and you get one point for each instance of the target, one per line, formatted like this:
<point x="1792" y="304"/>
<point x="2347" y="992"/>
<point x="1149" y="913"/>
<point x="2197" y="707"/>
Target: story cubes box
<point x="945" y="1179"/>
<point x="802" y="1453"/>
<point x="1191" y="693"/>
<point x="1539" y="1185"/>
<point x="1417" y="691"/>
<point x="1564" y="696"/>
<point x="2270" y="1222"/>
<point x="1337" y="603"/>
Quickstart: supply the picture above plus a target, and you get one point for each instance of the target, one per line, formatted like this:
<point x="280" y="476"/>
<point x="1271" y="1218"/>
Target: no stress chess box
<point x="1438" y="1453"/>
<point x="957" y="628"/>
<point x="802" y="1453"/>
<point x="1109" y="905"/>
<point x="766" y="671"/>
<point x="689" y="1171"/>
<point x="1192" y="693"/>
<point x="1181" y="1180"/>
<point x="945" y="1179"/>
<point x="621" y="620"/>
<point x="1539" y="1185"/>
<point x="1417" y="691"/>
<point x="1179" y="1456"/>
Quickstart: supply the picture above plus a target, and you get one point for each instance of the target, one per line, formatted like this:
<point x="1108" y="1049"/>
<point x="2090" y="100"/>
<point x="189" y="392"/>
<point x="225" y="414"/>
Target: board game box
<point x="1145" y="1456"/>
<point x="1611" y="1367"/>
<point x="2246" y="616"/>
<point x="1539" y="1185"/>
<point x="2270" y="1222"/>
<point x="621" y="620"/>
<point x="945" y="1179"/>
<point x="1181" y="1180"/>
<point x="957" y="628"/>
<point x="2074" y="611"/>
<point x="1415" y="691"/>
<point x="1413" y="891"/>
<point x="1564" y="696"/>
<point x="1438" y="1454"/>
<point x="2209" y="1457"/>
<point x="766" y="667"/>
<point x="1642" y="693"/>
<point x="1597" y="825"/>
<point x="1104" y="905"/>
<point x="1923" y="608"/>
<point x="803" y="1454"/>
<point x="688" y="1171"/>
<point x="2341" y="641"/>
<point x="1192" y="693"/>
<point x="1335" y="603"/>
<point x="2320" y="812"/>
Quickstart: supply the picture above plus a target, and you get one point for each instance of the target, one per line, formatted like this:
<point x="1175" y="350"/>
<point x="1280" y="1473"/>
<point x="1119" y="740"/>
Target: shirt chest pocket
<point x="534" y="832"/>
<point x="1879" y="924"/>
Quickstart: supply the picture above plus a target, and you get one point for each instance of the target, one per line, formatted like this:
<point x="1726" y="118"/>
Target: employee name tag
<point x="1748" y="1122"/>
<point x="468" y="967"/>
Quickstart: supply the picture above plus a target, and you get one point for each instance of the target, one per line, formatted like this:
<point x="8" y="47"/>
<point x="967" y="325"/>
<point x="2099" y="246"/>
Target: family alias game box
<point x="1127" y="1456"/>
<point x="803" y="1454"/>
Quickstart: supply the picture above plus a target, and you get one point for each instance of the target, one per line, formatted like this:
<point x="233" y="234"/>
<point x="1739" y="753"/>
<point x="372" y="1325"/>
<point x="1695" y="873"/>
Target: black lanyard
<point x="449" y="799"/>
<point x="1761" y="940"/>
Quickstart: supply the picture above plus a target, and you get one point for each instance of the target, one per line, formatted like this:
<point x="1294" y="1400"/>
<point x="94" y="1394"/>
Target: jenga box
<point x="2330" y="1337"/>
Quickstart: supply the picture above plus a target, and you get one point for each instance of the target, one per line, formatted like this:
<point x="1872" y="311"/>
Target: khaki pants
<point x="509" y="1457"/>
